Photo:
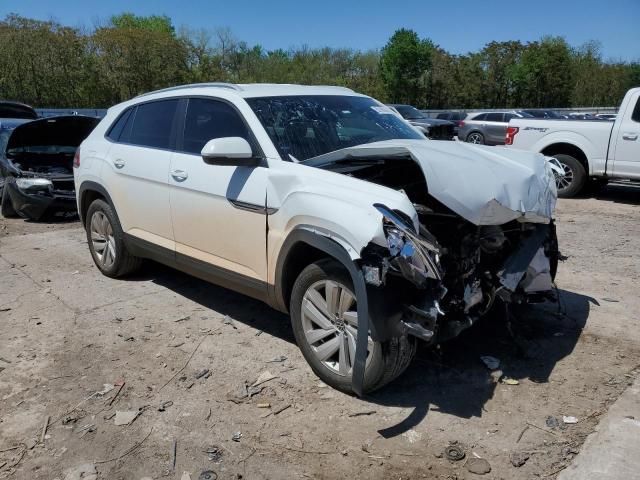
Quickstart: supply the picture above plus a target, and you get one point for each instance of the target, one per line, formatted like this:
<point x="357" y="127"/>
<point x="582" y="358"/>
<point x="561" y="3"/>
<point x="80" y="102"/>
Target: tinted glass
<point x="16" y="110"/>
<point x="495" y="117"/>
<point x="409" y="112"/>
<point x="208" y="119"/>
<point x="635" y="116"/>
<point x="508" y="116"/>
<point x="115" y="131"/>
<point x="443" y="116"/>
<point x="152" y="124"/>
<point x="307" y="126"/>
<point x="458" y="116"/>
<point x="482" y="116"/>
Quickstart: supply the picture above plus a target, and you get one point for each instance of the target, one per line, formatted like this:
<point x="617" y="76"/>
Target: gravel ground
<point x="67" y="331"/>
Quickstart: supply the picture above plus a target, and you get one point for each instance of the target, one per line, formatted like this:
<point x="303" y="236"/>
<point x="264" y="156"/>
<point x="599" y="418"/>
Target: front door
<point x="218" y="212"/>
<point x="626" y="134"/>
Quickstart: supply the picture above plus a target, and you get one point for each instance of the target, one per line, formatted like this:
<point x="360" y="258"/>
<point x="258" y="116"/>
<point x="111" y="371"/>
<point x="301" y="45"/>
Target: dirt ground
<point x="66" y="331"/>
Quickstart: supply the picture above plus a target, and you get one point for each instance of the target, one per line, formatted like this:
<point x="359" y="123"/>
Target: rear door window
<point x="207" y="119"/>
<point x="153" y="124"/>
<point x="495" y="117"/>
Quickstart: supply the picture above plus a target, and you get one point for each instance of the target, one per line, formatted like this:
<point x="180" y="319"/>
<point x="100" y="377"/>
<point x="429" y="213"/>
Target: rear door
<point x="218" y="212"/>
<point x="137" y="168"/>
<point x="626" y="135"/>
<point x="496" y="128"/>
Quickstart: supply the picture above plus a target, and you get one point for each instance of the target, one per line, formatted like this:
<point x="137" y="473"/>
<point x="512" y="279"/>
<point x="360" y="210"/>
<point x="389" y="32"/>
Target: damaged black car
<point x="36" y="164"/>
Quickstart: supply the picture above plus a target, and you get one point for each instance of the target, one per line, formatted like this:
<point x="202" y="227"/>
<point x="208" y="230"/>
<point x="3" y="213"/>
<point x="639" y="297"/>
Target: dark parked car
<point x="537" y="113"/>
<point x="36" y="164"/>
<point x="16" y="110"/>
<point x="432" y="128"/>
<point x="455" y="117"/>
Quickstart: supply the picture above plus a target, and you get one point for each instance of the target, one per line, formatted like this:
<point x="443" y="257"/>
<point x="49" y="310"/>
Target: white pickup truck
<point x="591" y="152"/>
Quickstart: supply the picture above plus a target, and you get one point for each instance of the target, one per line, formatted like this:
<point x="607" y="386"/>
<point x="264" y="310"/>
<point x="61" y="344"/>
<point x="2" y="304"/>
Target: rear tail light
<point x="76" y="158"/>
<point x="461" y="123"/>
<point x="511" y="133"/>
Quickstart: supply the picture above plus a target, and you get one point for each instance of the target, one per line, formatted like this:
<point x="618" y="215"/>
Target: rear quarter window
<point x="482" y="116"/>
<point x="115" y="131"/>
<point x="635" y="116"/>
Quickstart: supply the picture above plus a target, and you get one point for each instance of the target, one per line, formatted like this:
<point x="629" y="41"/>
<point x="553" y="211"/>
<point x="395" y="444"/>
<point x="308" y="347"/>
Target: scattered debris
<point x="174" y="455"/>
<point x="543" y="429"/>
<point x="208" y="415"/>
<point x="518" y="459"/>
<point x="492" y="363"/>
<point x="127" y="452"/>
<point x="208" y="475"/>
<point x="5" y="309"/>
<point x="259" y="332"/>
<point x="201" y="373"/>
<point x="263" y="405"/>
<point x="552" y="422"/>
<point x="126" y="417"/>
<point x="185" y="476"/>
<point x="86" y="471"/>
<point x="264" y="377"/>
<point x="236" y="436"/>
<point x="281" y="409"/>
<point x="479" y="466"/>
<point x="227" y="320"/>
<point x="164" y="405"/>
<point x="569" y="419"/>
<point x="107" y="387"/>
<point x="44" y="428"/>
<point x="454" y="453"/>
<point x="612" y="300"/>
<point x="182" y="319"/>
<point x="176" y="344"/>
<point x="30" y="444"/>
<point x="362" y="414"/>
<point x="278" y="359"/>
<point x="120" y="385"/>
<point x="86" y="429"/>
<point x="526" y="427"/>
<point x="214" y="452"/>
<point x="68" y="419"/>
<point x="510" y="381"/>
<point x="186" y="363"/>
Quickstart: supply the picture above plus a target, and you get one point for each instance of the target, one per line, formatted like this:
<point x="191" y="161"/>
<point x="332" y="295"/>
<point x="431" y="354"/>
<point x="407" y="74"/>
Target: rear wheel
<point x="106" y="241"/>
<point x="475" y="137"/>
<point x="6" y="208"/>
<point x="325" y="322"/>
<point x="574" y="178"/>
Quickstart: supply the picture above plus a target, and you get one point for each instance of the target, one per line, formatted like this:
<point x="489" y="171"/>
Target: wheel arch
<point x="88" y="192"/>
<point x="302" y="247"/>
<point x="567" y="149"/>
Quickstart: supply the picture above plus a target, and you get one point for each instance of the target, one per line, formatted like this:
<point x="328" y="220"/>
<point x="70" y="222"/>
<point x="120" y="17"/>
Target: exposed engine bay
<point x="446" y="271"/>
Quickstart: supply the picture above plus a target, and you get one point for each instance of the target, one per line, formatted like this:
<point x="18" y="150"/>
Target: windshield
<point x="409" y="112"/>
<point x="303" y="127"/>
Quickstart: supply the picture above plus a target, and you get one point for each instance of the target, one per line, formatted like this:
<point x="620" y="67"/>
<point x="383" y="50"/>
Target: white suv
<point x="324" y="204"/>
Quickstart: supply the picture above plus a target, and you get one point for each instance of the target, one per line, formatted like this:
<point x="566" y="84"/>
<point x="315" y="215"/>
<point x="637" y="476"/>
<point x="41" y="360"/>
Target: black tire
<point x="387" y="359"/>
<point x="595" y="185"/>
<point x="6" y="207"/>
<point x="568" y="188"/>
<point x="476" y="138"/>
<point x="124" y="263"/>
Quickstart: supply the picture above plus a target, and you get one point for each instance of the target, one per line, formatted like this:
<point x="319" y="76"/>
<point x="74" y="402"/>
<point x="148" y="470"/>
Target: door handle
<point x="179" y="175"/>
<point x="119" y="163"/>
<point x="629" y="136"/>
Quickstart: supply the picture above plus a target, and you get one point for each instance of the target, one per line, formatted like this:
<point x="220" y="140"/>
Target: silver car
<point x="488" y="128"/>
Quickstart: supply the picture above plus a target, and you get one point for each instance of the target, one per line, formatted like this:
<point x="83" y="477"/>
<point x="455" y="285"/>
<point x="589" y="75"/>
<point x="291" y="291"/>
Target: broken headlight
<point x="415" y="257"/>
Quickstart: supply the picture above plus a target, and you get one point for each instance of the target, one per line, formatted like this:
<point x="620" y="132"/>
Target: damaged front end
<point x="443" y="279"/>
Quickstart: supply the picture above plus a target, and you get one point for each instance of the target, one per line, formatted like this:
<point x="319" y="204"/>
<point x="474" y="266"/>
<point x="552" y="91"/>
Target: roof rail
<point x="230" y="86"/>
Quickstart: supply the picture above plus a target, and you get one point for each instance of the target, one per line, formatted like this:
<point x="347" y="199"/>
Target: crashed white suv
<point x="325" y="204"/>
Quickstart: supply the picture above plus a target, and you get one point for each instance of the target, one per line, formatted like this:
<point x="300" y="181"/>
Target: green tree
<point x="404" y="63"/>
<point x="153" y="23"/>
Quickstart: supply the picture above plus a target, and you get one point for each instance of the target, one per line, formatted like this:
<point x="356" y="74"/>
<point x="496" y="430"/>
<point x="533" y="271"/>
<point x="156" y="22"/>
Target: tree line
<point x="47" y="64"/>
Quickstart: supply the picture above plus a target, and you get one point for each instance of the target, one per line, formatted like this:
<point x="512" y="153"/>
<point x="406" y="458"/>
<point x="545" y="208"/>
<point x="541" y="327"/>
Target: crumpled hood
<point x="484" y="185"/>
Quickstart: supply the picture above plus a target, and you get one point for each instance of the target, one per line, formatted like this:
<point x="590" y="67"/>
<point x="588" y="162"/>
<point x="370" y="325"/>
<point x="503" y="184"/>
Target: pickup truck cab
<point x="589" y="151"/>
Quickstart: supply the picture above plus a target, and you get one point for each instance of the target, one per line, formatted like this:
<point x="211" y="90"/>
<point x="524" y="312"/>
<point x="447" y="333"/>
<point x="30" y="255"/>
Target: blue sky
<point x="457" y="26"/>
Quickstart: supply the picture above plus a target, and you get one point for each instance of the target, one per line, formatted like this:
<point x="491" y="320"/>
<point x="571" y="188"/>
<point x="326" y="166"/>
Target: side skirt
<point x="197" y="268"/>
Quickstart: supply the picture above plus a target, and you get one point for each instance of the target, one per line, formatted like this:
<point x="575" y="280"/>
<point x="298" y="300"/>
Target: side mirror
<point x="230" y="151"/>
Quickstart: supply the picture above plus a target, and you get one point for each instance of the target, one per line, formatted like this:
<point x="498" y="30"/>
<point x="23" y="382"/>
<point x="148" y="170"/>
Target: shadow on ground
<point x="622" y="192"/>
<point x="451" y="378"/>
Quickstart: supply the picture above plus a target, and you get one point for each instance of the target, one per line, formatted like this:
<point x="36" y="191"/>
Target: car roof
<point x="250" y="90"/>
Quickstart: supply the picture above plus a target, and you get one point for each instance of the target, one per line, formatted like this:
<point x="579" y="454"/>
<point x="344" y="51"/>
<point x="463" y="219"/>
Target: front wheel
<point x="106" y="241"/>
<point x="324" y="318"/>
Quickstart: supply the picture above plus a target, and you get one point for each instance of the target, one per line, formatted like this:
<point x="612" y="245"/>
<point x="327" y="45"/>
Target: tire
<point x="102" y="223"/>
<point x="595" y="185"/>
<point x="6" y="206"/>
<point x="575" y="178"/>
<point x="476" y="138"/>
<point x="385" y="360"/>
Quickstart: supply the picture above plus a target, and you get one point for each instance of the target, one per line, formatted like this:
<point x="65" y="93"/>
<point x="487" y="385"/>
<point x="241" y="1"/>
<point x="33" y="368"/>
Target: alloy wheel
<point x="563" y="180"/>
<point x="104" y="244"/>
<point x="330" y="325"/>
<point x="475" y="138"/>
